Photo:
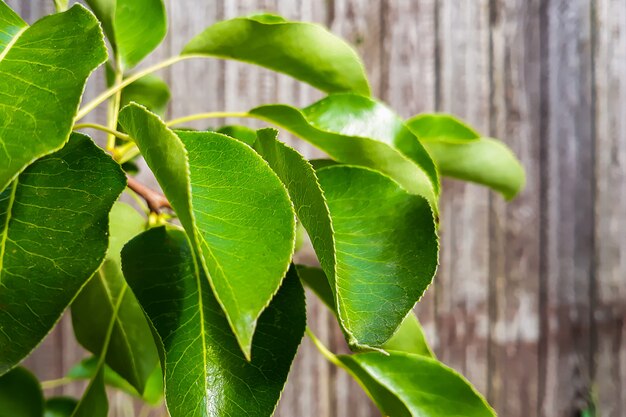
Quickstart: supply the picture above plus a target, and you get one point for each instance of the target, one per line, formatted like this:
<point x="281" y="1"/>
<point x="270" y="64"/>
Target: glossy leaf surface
<point x="11" y="24"/>
<point x="232" y="205"/>
<point x="289" y="47"/>
<point x="20" y="394"/>
<point x="462" y="153"/>
<point x="130" y="352"/>
<point x="359" y="131"/>
<point x="206" y="372"/>
<point x="53" y="237"/>
<point x="41" y="83"/>
<point x="386" y="251"/>
<point x="134" y="27"/>
<point x="406" y="385"/>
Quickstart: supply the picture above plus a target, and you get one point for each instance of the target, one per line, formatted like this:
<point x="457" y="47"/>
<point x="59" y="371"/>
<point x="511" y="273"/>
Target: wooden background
<point x="530" y="299"/>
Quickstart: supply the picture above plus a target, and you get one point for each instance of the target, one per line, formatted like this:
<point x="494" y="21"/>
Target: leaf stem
<point x="155" y="200"/>
<point x="210" y="115"/>
<point x="102" y="128"/>
<point x="113" y="90"/>
<point x="330" y="356"/>
<point x="114" y="109"/>
<point x="54" y="383"/>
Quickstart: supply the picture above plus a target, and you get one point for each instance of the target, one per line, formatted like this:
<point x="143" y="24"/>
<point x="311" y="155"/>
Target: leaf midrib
<point x="201" y="316"/>
<point x="5" y="228"/>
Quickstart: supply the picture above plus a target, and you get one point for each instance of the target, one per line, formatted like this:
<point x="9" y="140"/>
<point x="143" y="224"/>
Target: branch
<point x="156" y="201"/>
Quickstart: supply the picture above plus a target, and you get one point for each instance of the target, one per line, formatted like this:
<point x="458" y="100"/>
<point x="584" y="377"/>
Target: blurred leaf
<point x="20" y="394"/>
<point x="289" y="47"/>
<point x="60" y="407"/>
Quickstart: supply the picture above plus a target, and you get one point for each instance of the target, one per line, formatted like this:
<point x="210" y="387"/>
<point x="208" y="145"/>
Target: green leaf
<point x="20" y="394"/>
<point x="460" y="152"/>
<point x="386" y="251"/>
<point x="11" y="25"/>
<point x="410" y="338"/>
<point x="205" y="371"/>
<point x="60" y="407"/>
<point x="150" y="91"/>
<point x="407" y="385"/>
<point x="94" y="402"/>
<point x="61" y="5"/>
<point x="241" y="133"/>
<point x="53" y="237"/>
<point x="134" y="27"/>
<point x="128" y="354"/>
<point x="87" y="369"/>
<point x="41" y="83"/>
<point x="305" y="51"/>
<point x="232" y="205"/>
<point x="316" y="280"/>
<point x="360" y="131"/>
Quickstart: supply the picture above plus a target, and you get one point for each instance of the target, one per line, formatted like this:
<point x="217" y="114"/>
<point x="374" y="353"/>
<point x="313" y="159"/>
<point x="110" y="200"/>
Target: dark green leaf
<point x="20" y="394"/>
<point x="305" y="51"/>
<point x="233" y="207"/>
<point x="134" y="27"/>
<point x="206" y="373"/>
<point x="360" y="131"/>
<point x="130" y="353"/>
<point x="386" y="251"/>
<point x="41" y="83"/>
<point x="316" y="280"/>
<point x="94" y="402"/>
<point x="462" y="153"/>
<point x="410" y="338"/>
<point x="60" y="407"/>
<point x="53" y="237"/>
<point x="407" y="385"/>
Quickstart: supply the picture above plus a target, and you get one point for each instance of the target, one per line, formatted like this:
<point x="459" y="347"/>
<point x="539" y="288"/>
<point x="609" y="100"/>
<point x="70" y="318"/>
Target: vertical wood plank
<point x="514" y="230"/>
<point x="609" y="312"/>
<point x="462" y="282"/>
<point x="568" y="208"/>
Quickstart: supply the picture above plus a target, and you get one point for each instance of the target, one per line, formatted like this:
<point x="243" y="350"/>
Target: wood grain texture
<point x="530" y="299"/>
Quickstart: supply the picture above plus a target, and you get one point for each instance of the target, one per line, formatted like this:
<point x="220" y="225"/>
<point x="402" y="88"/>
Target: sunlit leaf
<point x="41" y="82"/>
<point x="305" y="51"/>
<point x="460" y="152"/>
<point x="206" y="374"/>
<point x="232" y="205"/>
<point x="53" y="237"/>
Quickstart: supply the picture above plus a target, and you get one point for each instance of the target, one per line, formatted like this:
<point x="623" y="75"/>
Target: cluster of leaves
<point x="209" y="308"/>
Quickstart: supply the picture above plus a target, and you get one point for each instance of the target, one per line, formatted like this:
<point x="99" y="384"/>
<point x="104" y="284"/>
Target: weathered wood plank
<point x="462" y="281"/>
<point x="515" y="226"/>
<point x="609" y="311"/>
<point x="567" y="137"/>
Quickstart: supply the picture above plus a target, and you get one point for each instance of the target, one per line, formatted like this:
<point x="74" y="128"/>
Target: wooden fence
<point x="530" y="299"/>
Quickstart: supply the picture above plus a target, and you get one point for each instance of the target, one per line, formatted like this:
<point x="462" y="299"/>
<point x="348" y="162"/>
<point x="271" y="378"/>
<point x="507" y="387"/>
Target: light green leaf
<point x="94" y="402"/>
<point x="11" y="25"/>
<point x="305" y="51"/>
<point x="60" y="407"/>
<point x="134" y="27"/>
<point x="53" y="237"/>
<point x="410" y="338"/>
<point x="460" y="152"/>
<point x="386" y="251"/>
<point x="360" y="131"/>
<point x="407" y="385"/>
<point x="20" y="394"/>
<point x="205" y="371"/>
<point x="41" y="83"/>
<point x="130" y="353"/>
<point x="150" y="91"/>
<point x="61" y="5"/>
<point x="232" y="205"/>
<point x="241" y="133"/>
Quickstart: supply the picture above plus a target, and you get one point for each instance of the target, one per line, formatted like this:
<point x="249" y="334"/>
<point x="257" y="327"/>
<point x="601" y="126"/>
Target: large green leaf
<point x="305" y="51"/>
<point x="386" y="251"/>
<point x="53" y="237"/>
<point x="232" y="205"/>
<point x="360" y="131"/>
<point x="134" y="27"/>
<point x="128" y="354"/>
<point x="20" y="394"/>
<point x="460" y="152"/>
<point x="205" y="371"/>
<point x="407" y="385"/>
<point x="41" y="83"/>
